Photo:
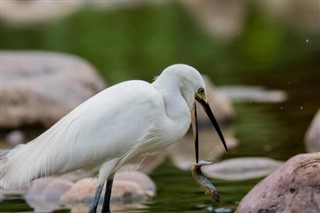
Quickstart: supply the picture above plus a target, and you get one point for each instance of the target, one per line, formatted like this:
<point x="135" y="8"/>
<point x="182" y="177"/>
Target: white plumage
<point x="108" y="129"/>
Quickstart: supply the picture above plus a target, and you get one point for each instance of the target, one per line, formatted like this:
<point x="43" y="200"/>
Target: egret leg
<point x="107" y="196"/>
<point x="95" y="202"/>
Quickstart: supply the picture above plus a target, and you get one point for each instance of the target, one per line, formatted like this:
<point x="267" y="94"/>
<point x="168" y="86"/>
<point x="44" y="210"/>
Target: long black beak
<point x="213" y="120"/>
<point x="195" y="133"/>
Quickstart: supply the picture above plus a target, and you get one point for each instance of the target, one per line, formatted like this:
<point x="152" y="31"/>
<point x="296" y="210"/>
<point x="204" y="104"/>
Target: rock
<point x="312" y="138"/>
<point x="287" y="11"/>
<point x="44" y="194"/>
<point x="41" y="87"/>
<point x="125" y="194"/>
<point x="142" y="179"/>
<point x="33" y="12"/>
<point x="243" y="168"/>
<point x="82" y="191"/>
<point x="224" y="19"/>
<point x="253" y="93"/>
<point x="127" y="187"/>
<point x="294" y="187"/>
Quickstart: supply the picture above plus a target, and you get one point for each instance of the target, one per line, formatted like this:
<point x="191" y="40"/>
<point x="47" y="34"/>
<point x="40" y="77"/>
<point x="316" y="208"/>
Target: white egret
<point x="107" y="130"/>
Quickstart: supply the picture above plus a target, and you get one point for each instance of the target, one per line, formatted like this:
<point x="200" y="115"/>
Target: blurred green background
<point x="267" y="47"/>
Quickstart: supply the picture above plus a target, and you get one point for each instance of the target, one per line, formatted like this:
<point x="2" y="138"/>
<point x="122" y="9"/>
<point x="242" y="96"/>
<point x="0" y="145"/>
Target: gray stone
<point x="294" y="187"/>
<point x="42" y="87"/>
<point x="243" y="168"/>
<point x="253" y="94"/>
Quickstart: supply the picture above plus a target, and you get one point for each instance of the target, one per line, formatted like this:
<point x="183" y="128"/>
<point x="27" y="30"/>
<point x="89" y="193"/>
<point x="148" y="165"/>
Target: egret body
<point x="107" y="130"/>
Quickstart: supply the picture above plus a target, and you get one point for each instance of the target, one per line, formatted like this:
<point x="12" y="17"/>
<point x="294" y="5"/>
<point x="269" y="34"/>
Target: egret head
<point x="189" y="81"/>
<point x="193" y="89"/>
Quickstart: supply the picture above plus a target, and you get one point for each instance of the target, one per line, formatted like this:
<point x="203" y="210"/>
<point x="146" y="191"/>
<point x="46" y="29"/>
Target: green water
<point x="138" y="43"/>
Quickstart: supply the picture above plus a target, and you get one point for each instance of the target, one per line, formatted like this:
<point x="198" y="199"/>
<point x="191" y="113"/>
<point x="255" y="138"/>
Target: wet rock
<point x="294" y="187"/>
<point x="51" y="83"/>
<point x="252" y="93"/>
<point x="241" y="168"/>
<point x="312" y="138"/>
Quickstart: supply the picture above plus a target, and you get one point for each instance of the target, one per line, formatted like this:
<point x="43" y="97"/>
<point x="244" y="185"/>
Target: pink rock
<point x="127" y="187"/>
<point x="82" y="191"/>
<point x="44" y="194"/>
<point x="48" y="189"/>
<point x="294" y="187"/>
<point x="140" y="178"/>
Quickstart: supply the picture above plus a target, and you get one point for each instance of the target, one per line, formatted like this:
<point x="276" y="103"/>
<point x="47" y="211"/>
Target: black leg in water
<point x="107" y="196"/>
<point x="95" y="202"/>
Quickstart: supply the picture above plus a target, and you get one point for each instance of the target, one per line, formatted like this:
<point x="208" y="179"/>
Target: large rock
<point x="41" y="87"/>
<point x="242" y="168"/>
<point x="54" y="193"/>
<point x="294" y="187"/>
<point x="128" y="187"/>
<point x="312" y="138"/>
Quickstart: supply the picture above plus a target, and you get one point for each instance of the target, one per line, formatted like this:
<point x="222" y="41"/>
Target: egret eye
<point x="201" y="91"/>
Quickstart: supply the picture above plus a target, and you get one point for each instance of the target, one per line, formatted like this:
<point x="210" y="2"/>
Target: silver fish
<point x="203" y="182"/>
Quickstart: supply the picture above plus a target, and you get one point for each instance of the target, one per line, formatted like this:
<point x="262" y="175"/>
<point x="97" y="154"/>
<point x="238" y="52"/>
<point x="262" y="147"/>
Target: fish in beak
<point x="201" y="98"/>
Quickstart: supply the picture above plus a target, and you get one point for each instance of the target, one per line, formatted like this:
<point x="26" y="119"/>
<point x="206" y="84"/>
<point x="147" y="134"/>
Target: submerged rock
<point x="255" y="94"/>
<point x="241" y="168"/>
<point x="44" y="194"/>
<point x="312" y="138"/>
<point x="41" y="87"/>
<point x="294" y="187"/>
